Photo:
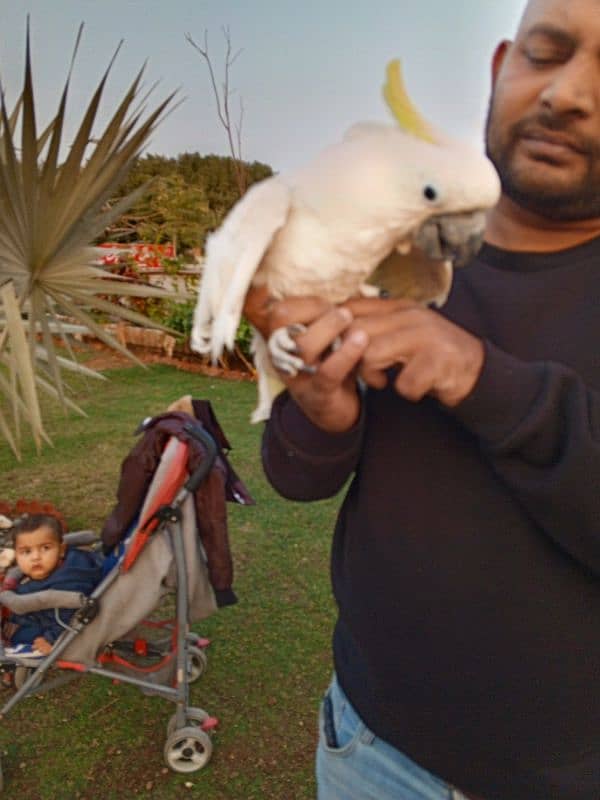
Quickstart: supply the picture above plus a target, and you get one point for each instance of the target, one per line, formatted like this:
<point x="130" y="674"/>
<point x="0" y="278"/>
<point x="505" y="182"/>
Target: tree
<point x="233" y="128"/>
<point x="192" y="194"/>
<point x="173" y="211"/>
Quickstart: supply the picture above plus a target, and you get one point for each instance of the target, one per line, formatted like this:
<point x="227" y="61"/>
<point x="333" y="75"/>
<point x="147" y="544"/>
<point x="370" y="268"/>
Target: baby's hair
<point x="31" y="522"/>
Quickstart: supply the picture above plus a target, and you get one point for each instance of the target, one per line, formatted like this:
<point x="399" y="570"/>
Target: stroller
<point x="160" y="556"/>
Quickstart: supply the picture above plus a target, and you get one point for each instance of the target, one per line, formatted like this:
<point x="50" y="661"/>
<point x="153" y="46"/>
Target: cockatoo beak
<point x="424" y="272"/>
<point x="453" y="237"/>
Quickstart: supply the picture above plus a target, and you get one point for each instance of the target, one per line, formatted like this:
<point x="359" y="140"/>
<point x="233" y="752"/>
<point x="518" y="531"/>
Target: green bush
<point x="243" y="337"/>
<point x="180" y="317"/>
<point x="177" y="316"/>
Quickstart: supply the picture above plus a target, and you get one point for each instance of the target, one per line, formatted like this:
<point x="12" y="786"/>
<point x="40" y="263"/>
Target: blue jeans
<point x="353" y="764"/>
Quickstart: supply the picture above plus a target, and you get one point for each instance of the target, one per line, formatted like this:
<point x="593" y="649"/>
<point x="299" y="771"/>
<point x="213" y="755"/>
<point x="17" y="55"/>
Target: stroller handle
<point x="198" y="475"/>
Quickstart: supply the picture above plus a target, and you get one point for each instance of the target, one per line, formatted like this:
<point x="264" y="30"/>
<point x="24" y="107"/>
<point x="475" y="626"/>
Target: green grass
<point x="269" y="660"/>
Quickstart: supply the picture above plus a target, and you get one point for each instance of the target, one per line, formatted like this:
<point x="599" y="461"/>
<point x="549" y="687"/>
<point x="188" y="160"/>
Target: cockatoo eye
<point x="430" y="193"/>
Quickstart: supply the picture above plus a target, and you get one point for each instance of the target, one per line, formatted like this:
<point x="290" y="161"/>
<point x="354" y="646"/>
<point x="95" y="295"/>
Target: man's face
<point x="38" y="552"/>
<point x="543" y="127"/>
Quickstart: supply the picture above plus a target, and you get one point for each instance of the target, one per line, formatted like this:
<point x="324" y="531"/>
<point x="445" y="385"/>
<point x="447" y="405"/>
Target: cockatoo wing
<point x="233" y="255"/>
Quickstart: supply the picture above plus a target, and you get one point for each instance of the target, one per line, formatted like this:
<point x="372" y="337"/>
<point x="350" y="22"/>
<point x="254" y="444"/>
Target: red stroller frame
<point x="188" y="746"/>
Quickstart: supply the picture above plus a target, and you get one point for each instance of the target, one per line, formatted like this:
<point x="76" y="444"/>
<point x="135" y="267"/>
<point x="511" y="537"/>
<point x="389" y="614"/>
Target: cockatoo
<point x="388" y="209"/>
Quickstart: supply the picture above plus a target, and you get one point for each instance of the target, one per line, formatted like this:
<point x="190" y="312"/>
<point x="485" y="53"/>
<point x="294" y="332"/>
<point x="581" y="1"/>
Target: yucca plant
<point x="52" y="208"/>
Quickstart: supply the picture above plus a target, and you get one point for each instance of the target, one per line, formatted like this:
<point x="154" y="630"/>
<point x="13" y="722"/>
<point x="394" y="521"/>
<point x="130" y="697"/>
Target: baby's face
<point x="38" y="552"/>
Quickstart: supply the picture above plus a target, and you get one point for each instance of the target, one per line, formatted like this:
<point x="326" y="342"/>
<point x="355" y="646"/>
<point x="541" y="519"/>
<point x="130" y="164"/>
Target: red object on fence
<point x="150" y="256"/>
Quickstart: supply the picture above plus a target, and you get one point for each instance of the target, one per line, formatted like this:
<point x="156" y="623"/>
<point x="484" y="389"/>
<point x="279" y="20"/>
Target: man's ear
<point x="63" y="549"/>
<point x="498" y="58"/>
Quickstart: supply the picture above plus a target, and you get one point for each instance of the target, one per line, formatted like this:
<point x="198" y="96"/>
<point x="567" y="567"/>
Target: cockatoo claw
<point x="283" y="350"/>
<point x="310" y="369"/>
<point x="295" y="329"/>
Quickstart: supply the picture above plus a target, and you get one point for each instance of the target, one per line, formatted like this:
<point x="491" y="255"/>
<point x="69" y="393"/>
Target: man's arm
<point x="311" y="442"/>
<point x="539" y="427"/>
<point x="537" y="422"/>
<point x="302" y="461"/>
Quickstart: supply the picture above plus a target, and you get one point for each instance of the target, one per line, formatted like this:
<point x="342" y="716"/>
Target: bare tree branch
<point x="233" y="129"/>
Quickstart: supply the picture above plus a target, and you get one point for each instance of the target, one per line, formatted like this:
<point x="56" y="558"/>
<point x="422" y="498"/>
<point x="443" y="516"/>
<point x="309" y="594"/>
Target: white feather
<point x="233" y="256"/>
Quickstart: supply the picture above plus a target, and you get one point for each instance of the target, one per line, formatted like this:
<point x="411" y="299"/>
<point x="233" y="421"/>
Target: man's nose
<point x="573" y="88"/>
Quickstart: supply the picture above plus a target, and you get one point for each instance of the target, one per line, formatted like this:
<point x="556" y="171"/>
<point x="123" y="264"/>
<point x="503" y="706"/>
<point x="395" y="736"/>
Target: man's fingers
<point x="373" y="376"/>
<point x="378" y="306"/>
<point x="416" y="378"/>
<point x="319" y="337"/>
<point x="297" y="309"/>
<point x="336" y="368"/>
<point x="390" y="324"/>
<point x="329" y="396"/>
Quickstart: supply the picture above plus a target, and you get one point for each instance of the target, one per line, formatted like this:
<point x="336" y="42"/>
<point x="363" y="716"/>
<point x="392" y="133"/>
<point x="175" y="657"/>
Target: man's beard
<point x="579" y="201"/>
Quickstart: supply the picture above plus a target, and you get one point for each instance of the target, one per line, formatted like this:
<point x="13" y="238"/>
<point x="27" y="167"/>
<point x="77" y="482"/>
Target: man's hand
<point x="437" y="357"/>
<point x="327" y="394"/>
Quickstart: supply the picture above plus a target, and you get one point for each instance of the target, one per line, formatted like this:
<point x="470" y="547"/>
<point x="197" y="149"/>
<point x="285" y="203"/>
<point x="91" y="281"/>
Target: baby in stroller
<point x="167" y="565"/>
<point x="46" y="563"/>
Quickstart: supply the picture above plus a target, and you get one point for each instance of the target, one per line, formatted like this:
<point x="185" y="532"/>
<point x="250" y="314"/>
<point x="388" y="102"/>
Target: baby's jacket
<point x="80" y="571"/>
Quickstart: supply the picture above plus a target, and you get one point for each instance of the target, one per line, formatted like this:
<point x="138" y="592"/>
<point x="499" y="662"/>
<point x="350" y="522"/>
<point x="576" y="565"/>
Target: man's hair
<point x="31" y="522"/>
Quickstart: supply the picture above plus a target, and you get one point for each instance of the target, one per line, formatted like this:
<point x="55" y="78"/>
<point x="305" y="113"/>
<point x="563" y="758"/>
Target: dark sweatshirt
<point x="466" y="555"/>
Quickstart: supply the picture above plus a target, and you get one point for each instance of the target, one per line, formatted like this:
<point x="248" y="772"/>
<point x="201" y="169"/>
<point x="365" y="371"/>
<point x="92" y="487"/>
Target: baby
<point x="47" y="563"/>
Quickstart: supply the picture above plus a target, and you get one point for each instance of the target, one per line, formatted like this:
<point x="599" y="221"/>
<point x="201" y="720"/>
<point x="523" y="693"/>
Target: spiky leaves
<point x="53" y="205"/>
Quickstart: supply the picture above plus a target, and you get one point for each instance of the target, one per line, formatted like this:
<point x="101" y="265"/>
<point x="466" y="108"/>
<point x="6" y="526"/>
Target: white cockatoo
<point x="389" y="209"/>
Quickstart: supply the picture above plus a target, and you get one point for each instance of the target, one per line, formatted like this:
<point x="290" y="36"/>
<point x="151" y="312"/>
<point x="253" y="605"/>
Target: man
<point x="466" y="556"/>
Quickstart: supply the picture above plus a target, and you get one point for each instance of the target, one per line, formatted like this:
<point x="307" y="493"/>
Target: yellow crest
<point x="401" y="106"/>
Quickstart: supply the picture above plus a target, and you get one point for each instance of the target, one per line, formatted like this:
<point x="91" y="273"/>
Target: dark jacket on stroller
<point x="80" y="571"/>
<point x="220" y="485"/>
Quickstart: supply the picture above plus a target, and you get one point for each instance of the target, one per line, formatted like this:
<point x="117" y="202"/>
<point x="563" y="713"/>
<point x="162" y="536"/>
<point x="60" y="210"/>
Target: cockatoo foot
<point x="283" y="350"/>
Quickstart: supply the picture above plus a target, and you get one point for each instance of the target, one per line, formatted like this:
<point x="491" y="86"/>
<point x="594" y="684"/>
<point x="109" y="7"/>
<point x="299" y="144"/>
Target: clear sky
<point x="307" y="71"/>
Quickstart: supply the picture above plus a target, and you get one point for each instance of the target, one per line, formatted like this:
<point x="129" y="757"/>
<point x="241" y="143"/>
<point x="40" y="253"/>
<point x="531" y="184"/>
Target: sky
<point x="306" y="72"/>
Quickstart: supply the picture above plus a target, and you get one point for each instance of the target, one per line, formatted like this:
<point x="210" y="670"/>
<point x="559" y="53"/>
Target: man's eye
<point x="547" y="53"/>
<point x="543" y="57"/>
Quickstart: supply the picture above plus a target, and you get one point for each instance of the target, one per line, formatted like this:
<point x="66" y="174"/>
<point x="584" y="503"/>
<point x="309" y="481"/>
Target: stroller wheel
<point x="196" y="663"/>
<point x="188" y="749"/>
<point x="194" y="717"/>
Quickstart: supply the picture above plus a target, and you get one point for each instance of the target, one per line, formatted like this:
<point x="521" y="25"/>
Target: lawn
<point x="269" y="659"/>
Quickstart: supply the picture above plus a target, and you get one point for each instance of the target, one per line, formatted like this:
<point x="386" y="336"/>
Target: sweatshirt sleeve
<point x="539" y="426"/>
<point x="303" y="462"/>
